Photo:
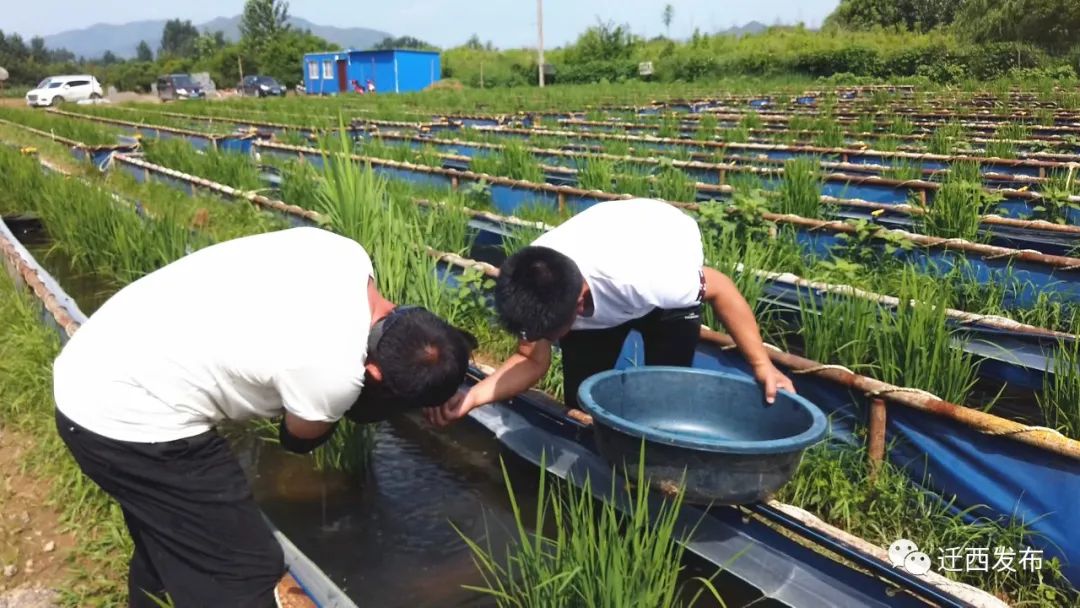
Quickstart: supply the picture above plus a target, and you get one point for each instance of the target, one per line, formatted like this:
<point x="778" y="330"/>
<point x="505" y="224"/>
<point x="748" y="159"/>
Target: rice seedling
<point x="1055" y="204"/>
<point x="706" y="129"/>
<point x="89" y="133"/>
<point x="834" y="482"/>
<point x="596" y="556"/>
<point x="673" y="184"/>
<point x="751" y="121"/>
<point x="904" y="169"/>
<point x="236" y="170"/>
<point x="957" y="207"/>
<point x="901" y="126"/>
<point x="596" y="174"/>
<point x="943" y="139"/>
<point x="635" y="180"/>
<point x="865" y="123"/>
<point x="519" y="163"/>
<point x="616" y="147"/>
<point x="670" y="127"/>
<point x="1059" y="399"/>
<point x="737" y="135"/>
<point x="823" y="340"/>
<point x="800" y="189"/>
<point x="830" y="134"/>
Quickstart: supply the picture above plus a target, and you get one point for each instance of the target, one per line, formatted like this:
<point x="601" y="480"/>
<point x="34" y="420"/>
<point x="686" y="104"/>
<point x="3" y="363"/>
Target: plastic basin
<point x="712" y="427"/>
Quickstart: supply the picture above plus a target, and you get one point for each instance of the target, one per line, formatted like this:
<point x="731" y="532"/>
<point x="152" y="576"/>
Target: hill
<point x="122" y="39"/>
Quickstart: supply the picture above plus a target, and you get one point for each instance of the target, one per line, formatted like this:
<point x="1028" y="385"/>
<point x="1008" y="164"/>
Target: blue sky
<point x="443" y="22"/>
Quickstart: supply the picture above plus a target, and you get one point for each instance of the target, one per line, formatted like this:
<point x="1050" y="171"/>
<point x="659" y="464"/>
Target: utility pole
<point x="540" y="30"/>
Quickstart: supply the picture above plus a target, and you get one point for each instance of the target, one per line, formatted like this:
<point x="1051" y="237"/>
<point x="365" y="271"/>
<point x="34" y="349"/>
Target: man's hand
<point x="454" y="409"/>
<point x="772" y="380"/>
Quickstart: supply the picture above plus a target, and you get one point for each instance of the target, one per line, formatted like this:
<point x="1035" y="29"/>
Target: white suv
<point x="56" y="90"/>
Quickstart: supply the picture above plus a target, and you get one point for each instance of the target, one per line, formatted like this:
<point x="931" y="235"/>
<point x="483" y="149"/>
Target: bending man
<point x="618" y="266"/>
<point x="283" y="324"/>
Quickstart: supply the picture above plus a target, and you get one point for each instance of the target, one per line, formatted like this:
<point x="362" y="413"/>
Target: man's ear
<point x="373" y="371"/>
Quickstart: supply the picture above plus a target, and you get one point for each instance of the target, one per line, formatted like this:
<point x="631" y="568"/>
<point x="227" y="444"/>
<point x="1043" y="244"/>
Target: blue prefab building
<point x="396" y="71"/>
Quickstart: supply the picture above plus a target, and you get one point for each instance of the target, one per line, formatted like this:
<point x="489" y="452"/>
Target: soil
<point x="34" y="553"/>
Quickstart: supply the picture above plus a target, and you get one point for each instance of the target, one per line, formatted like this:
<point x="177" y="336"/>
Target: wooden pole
<point x="540" y="31"/>
<point x="877" y="435"/>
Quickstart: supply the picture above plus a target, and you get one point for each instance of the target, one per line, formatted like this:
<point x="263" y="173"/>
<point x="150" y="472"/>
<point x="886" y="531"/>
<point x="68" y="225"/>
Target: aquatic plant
<point x="1059" y="399"/>
<point x="596" y="174"/>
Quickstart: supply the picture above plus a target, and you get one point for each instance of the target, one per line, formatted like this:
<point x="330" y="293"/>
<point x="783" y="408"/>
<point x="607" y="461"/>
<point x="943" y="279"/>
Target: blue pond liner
<point x="710" y="431"/>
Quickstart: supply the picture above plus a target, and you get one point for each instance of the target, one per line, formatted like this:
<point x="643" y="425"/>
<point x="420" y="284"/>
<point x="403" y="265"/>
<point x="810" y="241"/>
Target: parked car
<point x="261" y="86"/>
<point x="56" y="90"/>
<point x="178" y="86"/>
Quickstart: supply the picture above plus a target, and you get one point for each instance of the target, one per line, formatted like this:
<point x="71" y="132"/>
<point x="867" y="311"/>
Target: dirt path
<point x="33" y="551"/>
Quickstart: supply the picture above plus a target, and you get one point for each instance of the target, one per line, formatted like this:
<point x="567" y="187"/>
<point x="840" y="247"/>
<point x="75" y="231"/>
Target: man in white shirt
<point x="615" y="267"/>
<point x="285" y="324"/>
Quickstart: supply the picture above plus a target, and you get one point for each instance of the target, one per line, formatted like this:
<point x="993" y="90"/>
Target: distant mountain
<point x="754" y="27"/>
<point x="122" y="39"/>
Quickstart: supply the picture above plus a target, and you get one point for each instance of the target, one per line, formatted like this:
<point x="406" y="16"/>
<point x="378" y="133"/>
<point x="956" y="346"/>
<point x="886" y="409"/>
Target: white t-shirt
<point x="244" y="329"/>
<point x="636" y="255"/>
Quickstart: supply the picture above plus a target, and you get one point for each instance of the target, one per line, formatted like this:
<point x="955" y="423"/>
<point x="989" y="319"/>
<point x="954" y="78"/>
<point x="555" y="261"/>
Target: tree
<point x="404" y="42"/>
<point x="667" y="17"/>
<point x="282" y="56"/>
<point x="208" y="43"/>
<point x="178" y="39"/>
<point x="1053" y="25"/>
<point x="474" y="43"/>
<point x="38" y="52"/>
<point x="911" y="15"/>
<point x="263" y="21"/>
<point x="109" y="58"/>
<point x="143" y="52"/>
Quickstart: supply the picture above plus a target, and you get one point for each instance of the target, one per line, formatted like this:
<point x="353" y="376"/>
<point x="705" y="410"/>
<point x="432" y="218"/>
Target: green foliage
<point x="673" y="184"/>
<point x="263" y="21"/>
<point x="1057" y="194"/>
<point x="1051" y="24"/>
<point x="910" y="15"/>
<point x="1060" y="396"/>
<point x="178" y="39"/>
<point x="957" y="208"/>
<point x="597" y="174"/>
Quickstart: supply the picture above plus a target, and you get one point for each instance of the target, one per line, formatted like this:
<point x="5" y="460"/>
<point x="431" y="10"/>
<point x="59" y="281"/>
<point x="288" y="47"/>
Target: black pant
<point x="670" y="336"/>
<point x="198" y="534"/>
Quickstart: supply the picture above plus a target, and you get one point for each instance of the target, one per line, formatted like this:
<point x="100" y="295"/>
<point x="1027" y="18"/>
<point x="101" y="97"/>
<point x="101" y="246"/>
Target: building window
<point x="327" y="69"/>
<point x="313" y="70"/>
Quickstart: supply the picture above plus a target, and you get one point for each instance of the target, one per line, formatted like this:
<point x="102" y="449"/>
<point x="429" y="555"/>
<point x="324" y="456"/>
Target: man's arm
<point x="738" y="318"/>
<point x="518" y="374"/>
<point x="302" y="436"/>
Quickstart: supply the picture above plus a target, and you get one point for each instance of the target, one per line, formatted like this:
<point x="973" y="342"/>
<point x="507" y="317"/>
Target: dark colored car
<point x="178" y="86"/>
<point x="261" y="86"/>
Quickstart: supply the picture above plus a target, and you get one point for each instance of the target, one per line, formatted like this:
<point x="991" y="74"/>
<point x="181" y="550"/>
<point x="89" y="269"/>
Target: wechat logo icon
<point x="906" y="555"/>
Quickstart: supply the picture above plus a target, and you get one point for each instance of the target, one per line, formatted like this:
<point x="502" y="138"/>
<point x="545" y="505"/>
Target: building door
<point x="342" y="76"/>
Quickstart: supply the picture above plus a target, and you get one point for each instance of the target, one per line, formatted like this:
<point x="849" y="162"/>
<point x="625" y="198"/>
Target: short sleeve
<point x="318" y="394"/>
<point x="678" y="283"/>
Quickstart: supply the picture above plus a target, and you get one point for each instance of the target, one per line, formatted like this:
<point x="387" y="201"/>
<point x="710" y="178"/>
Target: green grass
<point x="27" y="350"/>
<point x="834" y="482"/>
<point x="673" y="184"/>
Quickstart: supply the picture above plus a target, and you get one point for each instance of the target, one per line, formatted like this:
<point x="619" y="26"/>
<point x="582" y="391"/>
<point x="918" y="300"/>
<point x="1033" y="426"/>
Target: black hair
<point x="537" y="292"/>
<point x="423" y="360"/>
